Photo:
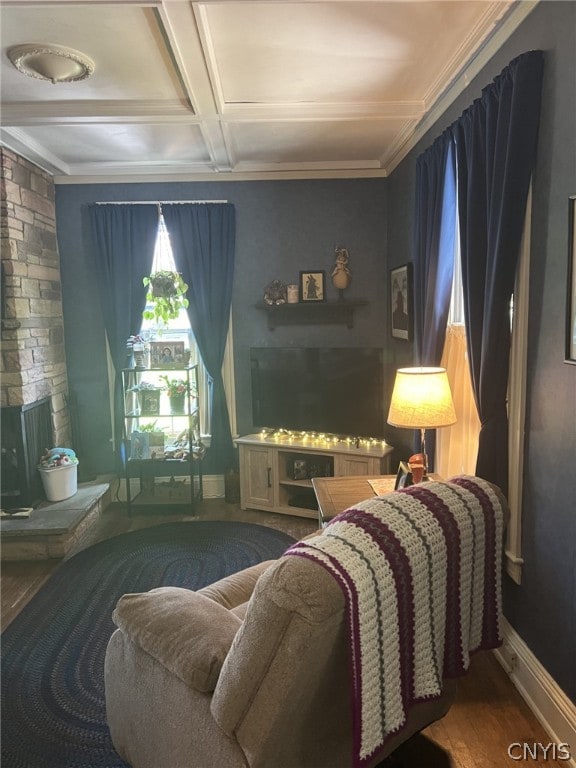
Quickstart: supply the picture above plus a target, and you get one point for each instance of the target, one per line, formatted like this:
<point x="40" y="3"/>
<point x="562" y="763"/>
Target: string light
<point x="320" y="438"/>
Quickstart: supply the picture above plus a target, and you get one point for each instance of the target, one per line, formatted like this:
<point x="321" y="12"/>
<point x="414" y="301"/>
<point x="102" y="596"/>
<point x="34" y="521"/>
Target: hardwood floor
<point x="488" y="716"/>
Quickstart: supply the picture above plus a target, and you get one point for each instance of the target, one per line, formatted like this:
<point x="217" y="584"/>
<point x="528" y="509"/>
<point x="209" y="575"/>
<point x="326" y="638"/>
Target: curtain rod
<point x="164" y="202"/>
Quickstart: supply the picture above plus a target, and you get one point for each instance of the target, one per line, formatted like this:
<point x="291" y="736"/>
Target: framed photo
<point x="571" y="282"/>
<point x="312" y="285"/>
<point x="150" y="402"/>
<point x="403" y="477"/>
<point x="300" y="469"/>
<point x="401" y="320"/>
<point x="146" y="445"/>
<point x="167" y="354"/>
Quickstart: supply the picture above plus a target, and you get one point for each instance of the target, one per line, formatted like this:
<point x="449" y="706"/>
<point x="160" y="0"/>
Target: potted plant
<point x="177" y="389"/>
<point x="167" y="294"/>
<point x="148" y="398"/>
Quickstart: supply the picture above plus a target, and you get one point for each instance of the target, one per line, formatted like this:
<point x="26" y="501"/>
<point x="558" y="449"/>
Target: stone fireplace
<point x="34" y="386"/>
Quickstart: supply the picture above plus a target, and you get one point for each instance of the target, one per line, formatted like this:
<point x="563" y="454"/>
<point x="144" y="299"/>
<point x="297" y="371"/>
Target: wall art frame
<point x="167" y="354"/>
<point x="570" y="350"/>
<point x="312" y="285"/>
<point x="401" y="304"/>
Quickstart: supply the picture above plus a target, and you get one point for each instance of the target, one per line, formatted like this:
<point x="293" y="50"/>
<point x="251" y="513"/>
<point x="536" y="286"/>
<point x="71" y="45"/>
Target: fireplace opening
<point x="26" y="433"/>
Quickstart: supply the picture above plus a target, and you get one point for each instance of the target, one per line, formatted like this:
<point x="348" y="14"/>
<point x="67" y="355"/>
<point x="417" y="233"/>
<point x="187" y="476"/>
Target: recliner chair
<point x="252" y="671"/>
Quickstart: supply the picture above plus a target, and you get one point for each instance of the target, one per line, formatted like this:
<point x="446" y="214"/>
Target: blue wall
<point x="282" y="228"/>
<point x="543" y="609"/>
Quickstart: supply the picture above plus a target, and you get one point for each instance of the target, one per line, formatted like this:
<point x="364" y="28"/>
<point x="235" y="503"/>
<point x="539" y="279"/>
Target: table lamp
<point x="422" y="400"/>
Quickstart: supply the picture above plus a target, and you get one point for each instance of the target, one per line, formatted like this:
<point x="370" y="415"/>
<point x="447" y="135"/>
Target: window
<point x="179" y="329"/>
<point x="457" y="447"/>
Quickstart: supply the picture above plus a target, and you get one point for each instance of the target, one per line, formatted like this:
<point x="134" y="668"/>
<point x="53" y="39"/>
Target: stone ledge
<point x="54" y="528"/>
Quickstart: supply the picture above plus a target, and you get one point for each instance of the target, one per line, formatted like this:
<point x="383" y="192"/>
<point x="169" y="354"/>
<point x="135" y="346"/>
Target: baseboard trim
<point x="213" y="486"/>
<point x="539" y="690"/>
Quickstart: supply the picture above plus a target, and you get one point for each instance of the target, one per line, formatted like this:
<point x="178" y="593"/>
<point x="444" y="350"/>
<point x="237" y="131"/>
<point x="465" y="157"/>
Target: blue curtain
<point x="203" y="243"/>
<point x="124" y="238"/>
<point x="434" y="241"/>
<point x="496" y="141"/>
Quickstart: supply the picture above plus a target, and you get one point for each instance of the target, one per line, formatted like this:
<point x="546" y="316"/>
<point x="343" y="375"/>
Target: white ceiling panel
<point x="123" y="143"/>
<point x="316" y="141"/>
<point x="339" y="52"/>
<point x="242" y="89"/>
<point x="132" y="61"/>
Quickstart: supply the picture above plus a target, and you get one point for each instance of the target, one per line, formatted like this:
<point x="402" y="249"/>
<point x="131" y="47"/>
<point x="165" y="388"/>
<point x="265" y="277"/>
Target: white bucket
<point x="59" y="482"/>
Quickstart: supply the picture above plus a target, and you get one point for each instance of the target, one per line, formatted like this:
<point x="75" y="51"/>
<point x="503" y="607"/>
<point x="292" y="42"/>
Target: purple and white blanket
<point x="420" y="572"/>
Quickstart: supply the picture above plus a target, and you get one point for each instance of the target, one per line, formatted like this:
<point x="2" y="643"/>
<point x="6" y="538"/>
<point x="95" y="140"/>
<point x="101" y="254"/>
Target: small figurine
<point x="341" y="274"/>
<point x="417" y="464"/>
<point x="275" y="293"/>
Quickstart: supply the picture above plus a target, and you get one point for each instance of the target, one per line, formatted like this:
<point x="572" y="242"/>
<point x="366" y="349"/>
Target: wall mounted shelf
<point x="311" y="313"/>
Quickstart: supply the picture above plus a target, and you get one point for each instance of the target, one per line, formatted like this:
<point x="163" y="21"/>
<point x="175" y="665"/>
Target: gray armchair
<point x="253" y="670"/>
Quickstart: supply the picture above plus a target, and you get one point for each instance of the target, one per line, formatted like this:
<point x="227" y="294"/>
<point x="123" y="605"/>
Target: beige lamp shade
<point x="421" y="399"/>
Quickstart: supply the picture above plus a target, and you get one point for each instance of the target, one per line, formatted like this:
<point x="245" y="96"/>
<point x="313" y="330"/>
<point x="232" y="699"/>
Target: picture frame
<point x="150" y="402"/>
<point x="300" y="469"/>
<point x="401" y="305"/>
<point x="570" y="351"/>
<point x="146" y="445"/>
<point x="312" y="285"/>
<point x="403" y="476"/>
<point x="167" y="354"/>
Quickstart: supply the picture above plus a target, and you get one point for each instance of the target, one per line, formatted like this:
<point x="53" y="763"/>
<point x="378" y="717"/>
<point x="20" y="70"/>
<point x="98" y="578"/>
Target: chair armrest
<point x="186" y="632"/>
<point x="233" y="590"/>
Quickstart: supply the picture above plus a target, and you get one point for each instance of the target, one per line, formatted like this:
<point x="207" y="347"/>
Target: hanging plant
<point x="167" y="294"/>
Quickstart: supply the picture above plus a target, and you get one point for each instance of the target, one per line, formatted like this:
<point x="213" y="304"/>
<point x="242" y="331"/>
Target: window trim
<point x="517" y="401"/>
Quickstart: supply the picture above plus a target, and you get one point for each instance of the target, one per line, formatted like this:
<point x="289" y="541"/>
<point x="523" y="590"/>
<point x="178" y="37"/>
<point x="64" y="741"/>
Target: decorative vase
<point x="138" y="350"/>
<point x="292" y="293"/>
<point x="177" y="403"/>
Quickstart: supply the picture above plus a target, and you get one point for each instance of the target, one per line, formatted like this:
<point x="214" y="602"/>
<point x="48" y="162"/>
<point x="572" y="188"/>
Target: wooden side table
<point x="335" y="494"/>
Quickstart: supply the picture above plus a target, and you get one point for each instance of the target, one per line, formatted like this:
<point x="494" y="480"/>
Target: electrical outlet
<point x="509" y="657"/>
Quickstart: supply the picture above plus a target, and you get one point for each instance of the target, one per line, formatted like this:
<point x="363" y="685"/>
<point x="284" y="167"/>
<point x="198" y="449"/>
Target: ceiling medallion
<point x="55" y="63"/>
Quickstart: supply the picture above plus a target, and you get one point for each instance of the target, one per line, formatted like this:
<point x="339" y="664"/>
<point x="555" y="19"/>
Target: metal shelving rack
<point x="179" y="458"/>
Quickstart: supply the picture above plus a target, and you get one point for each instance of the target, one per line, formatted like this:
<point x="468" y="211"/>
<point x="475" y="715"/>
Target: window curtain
<point x="434" y="241"/>
<point x="496" y="140"/>
<point x="124" y="237"/>
<point x="203" y="243"/>
<point x="457" y="447"/>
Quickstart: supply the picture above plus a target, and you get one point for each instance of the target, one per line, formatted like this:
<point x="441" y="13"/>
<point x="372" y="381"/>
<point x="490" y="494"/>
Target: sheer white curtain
<point x="457" y="447"/>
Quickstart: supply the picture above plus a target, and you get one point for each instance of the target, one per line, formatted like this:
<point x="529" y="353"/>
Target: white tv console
<point x="276" y="469"/>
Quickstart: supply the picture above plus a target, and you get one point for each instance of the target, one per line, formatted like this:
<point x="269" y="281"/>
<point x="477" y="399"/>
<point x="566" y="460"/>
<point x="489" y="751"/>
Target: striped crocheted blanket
<point x="420" y="572"/>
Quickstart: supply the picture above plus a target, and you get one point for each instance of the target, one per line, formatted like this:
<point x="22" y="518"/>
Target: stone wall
<point x="33" y="356"/>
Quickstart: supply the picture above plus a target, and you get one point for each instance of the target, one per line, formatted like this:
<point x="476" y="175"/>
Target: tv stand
<point x="276" y="470"/>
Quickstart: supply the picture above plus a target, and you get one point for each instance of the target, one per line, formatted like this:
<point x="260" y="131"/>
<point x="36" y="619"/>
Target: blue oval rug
<point x="53" y="709"/>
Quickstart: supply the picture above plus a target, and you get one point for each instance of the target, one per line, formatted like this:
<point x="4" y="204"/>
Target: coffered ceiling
<point x="272" y="89"/>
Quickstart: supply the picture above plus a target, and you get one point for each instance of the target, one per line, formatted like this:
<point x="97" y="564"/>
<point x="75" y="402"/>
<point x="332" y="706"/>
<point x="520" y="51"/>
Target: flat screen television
<point x="335" y="390"/>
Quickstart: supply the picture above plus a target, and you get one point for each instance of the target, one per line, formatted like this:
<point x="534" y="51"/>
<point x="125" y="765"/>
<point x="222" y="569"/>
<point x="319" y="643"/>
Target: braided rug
<point x="53" y="709"/>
